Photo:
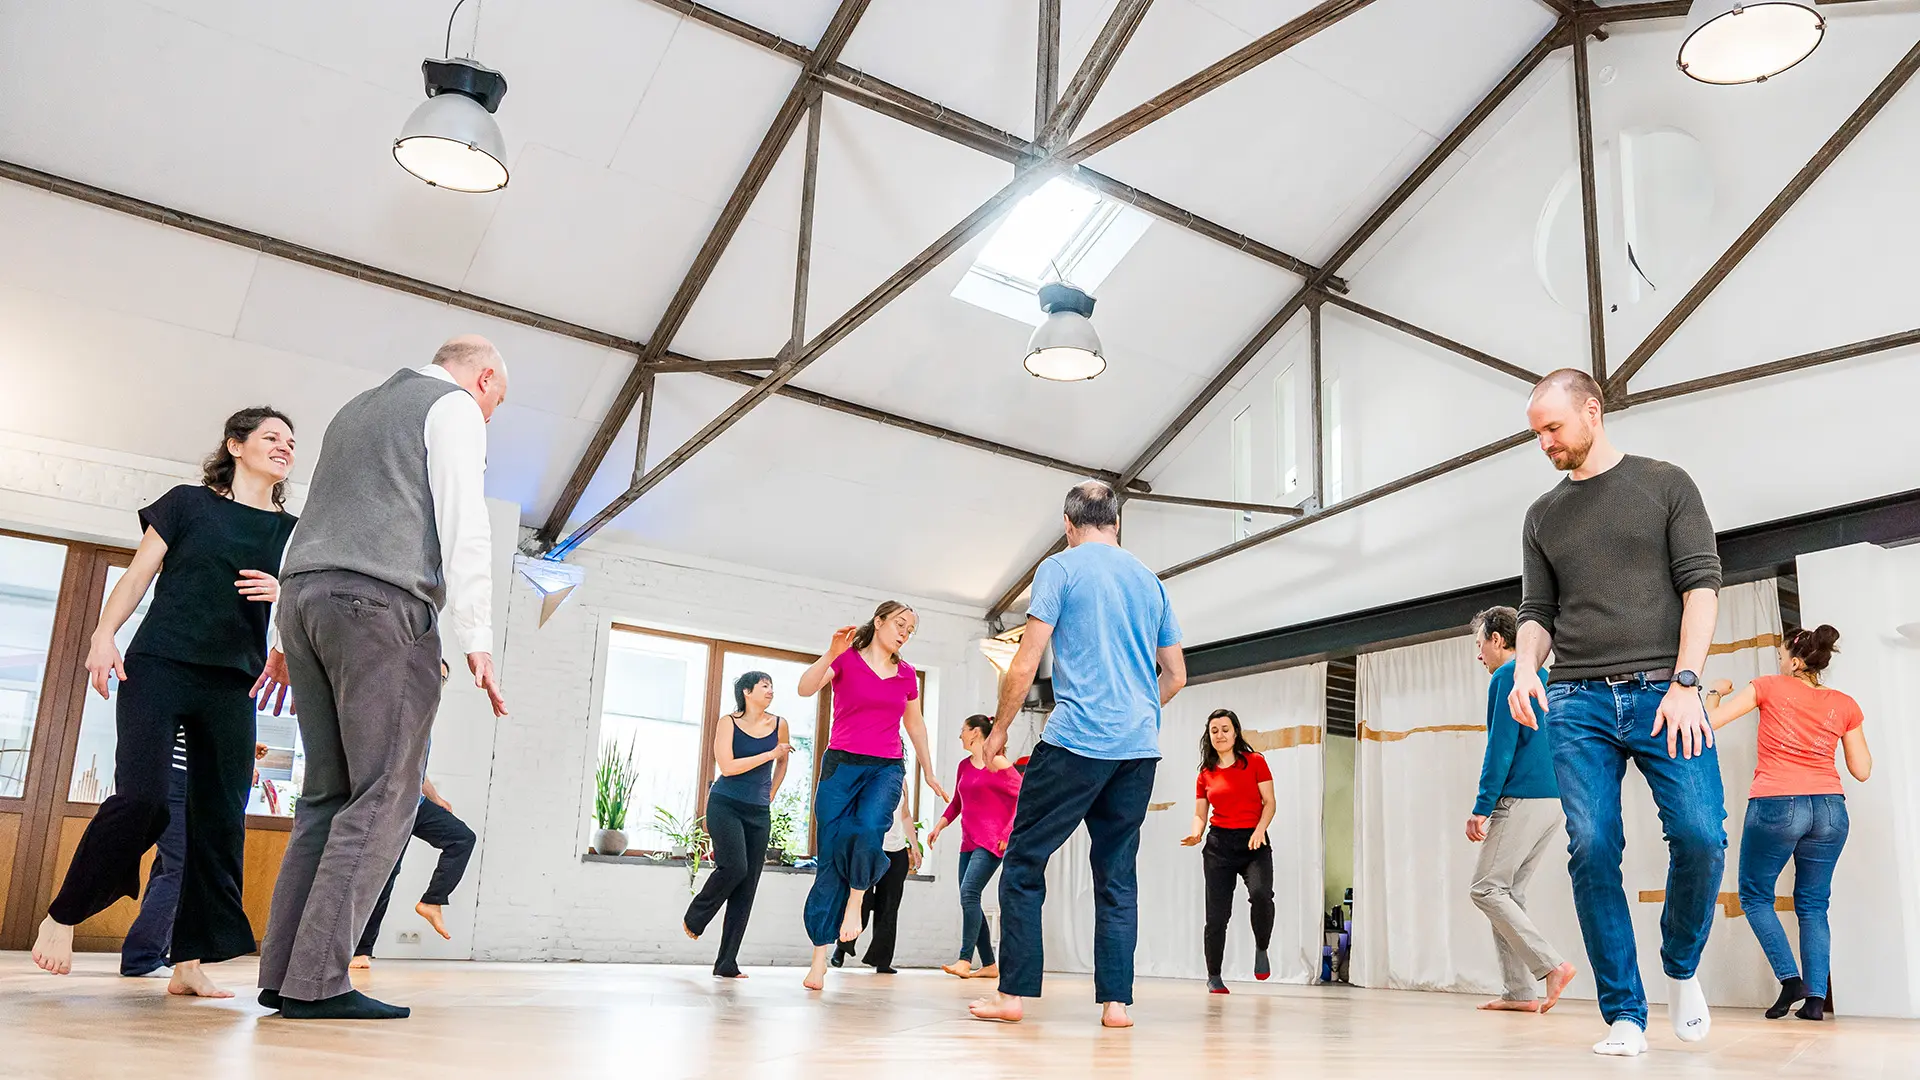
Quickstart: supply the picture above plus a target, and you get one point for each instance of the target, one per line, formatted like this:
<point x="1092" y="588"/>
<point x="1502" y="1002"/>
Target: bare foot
<point x="850" y="922"/>
<point x="689" y="933"/>
<point x="1504" y="1005"/>
<point x="959" y="969"/>
<point x="53" y="949"/>
<point x="735" y="975"/>
<point x="991" y="971"/>
<point x="189" y="981"/>
<point x="817" y="974"/>
<point x="1557" y="981"/>
<point x="432" y="913"/>
<point x="361" y="963"/>
<point x="1000" y="1008"/>
<point x="1114" y="1015"/>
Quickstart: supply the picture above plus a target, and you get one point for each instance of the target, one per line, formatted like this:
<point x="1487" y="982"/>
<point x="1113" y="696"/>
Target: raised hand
<point x="842" y="641"/>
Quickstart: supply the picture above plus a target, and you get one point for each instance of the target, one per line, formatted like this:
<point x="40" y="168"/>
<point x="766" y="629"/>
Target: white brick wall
<point x="537" y="899"/>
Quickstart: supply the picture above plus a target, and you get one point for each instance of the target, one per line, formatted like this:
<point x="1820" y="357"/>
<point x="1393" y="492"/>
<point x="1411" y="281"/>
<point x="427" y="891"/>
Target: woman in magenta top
<point x="984" y="794"/>
<point x="875" y="695"/>
<point x="1236" y="783"/>
<point x="1797" y="809"/>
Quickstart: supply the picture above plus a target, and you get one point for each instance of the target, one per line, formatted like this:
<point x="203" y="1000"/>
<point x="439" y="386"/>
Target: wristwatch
<point x="1687" y="679"/>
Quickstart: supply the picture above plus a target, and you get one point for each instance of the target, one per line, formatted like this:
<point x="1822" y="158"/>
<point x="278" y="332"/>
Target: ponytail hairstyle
<point x="1209" y="757"/>
<point x="863" y="637"/>
<point x="217" y="471"/>
<point x="744" y="685"/>
<point x="1814" y="648"/>
<point x="980" y="722"/>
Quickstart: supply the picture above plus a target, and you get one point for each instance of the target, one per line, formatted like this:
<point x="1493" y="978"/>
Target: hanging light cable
<point x="451" y="140"/>
<point x="1731" y="41"/>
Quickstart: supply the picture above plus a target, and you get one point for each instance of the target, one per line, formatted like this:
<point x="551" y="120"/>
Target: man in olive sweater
<point x="1515" y="817"/>
<point x="1621" y="581"/>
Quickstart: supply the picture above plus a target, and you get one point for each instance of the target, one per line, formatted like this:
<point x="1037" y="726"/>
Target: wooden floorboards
<point x="561" y="1021"/>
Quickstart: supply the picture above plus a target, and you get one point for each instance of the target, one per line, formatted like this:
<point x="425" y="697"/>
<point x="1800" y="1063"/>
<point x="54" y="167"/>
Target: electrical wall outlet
<point x="408" y="937"/>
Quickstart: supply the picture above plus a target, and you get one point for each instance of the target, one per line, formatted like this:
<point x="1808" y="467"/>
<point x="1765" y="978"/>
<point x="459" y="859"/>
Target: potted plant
<point x="690" y="839"/>
<point x="613" y="791"/>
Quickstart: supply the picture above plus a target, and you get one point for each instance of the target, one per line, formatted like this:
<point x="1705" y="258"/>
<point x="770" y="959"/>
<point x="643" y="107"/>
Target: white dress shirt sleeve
<point x="456" y="475"/>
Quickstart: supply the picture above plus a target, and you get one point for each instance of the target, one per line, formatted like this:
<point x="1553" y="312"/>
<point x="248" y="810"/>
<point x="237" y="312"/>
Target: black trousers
<point x="740" y="834"/>
<point x="1224" y="858"/>
<point x="158" y="699"/>
<point x="448" y="835"/>
<point x="880" y="906"/>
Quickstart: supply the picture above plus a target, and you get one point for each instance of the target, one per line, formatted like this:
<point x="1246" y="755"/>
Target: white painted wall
<point x="1867" y="591"/>
<point x="1830" y="273"/>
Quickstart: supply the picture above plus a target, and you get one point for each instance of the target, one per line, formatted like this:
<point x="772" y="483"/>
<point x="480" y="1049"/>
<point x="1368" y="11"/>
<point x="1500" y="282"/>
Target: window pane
<point x="793" y="803"/>
<point x="1039" y="230"/>
<point x="30" y="572"/>
<point x="92" y="779"/>
<point x="655" y="705"/>
<point x="279" y="774"/>
<point x="1240" y="432"/>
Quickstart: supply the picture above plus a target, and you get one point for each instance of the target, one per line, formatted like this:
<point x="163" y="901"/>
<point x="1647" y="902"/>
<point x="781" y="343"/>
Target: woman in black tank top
<point x="190" y="669"/>
<point x="750" y="746"/>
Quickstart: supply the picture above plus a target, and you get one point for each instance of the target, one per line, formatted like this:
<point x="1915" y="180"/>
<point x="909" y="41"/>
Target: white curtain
<point x="1283" y="713"/>
<point x="1422" y="712"/>
<point x="1422" y="717"/>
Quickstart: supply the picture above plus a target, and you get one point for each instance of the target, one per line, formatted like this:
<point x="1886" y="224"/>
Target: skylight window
<point x="1062" y="232"/>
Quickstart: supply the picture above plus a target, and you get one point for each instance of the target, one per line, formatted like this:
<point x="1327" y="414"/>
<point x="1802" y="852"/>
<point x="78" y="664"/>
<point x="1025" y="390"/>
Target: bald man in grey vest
<point x="394" y="531"/>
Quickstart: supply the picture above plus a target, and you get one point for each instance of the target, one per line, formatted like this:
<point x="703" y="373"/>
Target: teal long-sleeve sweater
<point x="1519" y="764"/>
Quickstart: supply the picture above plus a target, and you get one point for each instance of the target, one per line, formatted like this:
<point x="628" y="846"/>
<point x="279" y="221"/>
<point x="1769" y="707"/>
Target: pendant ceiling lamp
<point x="451" y="140"/>
<point x="1065" y="348"/>
<point x="1729" y="42"/>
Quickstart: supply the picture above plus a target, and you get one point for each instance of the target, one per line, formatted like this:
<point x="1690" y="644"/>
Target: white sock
<point x="1624" y="1039"/>
<point x="1687" y="1008"/>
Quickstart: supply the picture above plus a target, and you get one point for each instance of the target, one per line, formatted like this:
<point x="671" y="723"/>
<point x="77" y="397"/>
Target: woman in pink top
<point x="875" y="694"/>
<point x="984" y="794"/>
<point x="1796" y="808"/>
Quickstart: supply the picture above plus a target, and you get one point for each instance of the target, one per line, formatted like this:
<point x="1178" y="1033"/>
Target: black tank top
<point x="755" y="786"/>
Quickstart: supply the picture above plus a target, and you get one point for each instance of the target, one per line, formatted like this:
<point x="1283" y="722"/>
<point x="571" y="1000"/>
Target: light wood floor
<point x="561" y="1021"/>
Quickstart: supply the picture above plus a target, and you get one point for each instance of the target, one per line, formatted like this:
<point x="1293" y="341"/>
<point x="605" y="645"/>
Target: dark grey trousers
<point x="364" y="658"/>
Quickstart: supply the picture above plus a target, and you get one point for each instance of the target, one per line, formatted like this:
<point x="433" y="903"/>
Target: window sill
<point x="681" y="864"/>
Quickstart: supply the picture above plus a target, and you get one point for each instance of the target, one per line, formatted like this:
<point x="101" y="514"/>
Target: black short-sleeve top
<point x="197" y="615"/>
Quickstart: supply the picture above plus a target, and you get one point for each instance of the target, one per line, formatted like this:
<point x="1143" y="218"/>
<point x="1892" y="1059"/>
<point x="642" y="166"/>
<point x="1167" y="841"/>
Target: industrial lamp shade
<point x="451" y="140"/>
<point x="1730" y="41"/>
<point x="1065" y="348"/>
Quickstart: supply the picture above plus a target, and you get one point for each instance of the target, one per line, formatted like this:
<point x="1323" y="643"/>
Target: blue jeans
<point x="1811" y="829"/>
<point x="853" y="803"/>
<point x="1062" y="789"/>
<point x="150" y="938"/>
<point x="1595" y="729"/>
<point x="977" y="867"/>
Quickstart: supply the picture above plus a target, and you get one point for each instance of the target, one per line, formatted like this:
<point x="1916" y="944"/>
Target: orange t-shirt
<point x="1800" y="727"/>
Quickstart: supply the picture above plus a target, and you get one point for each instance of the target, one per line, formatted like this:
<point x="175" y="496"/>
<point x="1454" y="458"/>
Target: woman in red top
<point x="1236" y="783"/>
<point x="1796" y="809"/>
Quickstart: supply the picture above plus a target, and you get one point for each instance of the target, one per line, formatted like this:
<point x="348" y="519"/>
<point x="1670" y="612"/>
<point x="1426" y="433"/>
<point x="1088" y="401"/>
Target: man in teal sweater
<point x="1516" y="817"/>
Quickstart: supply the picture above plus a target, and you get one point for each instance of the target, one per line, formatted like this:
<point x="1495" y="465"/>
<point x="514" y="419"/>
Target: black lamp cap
<point x="458" y="75"/>
<point x="1060" y="296"/>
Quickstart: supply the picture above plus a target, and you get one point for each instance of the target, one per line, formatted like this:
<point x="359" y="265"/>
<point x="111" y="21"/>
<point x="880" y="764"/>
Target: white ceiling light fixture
<point x="451" y="140"/>
<point x="1729" y="41"/>
<point x="1065" y="348"/>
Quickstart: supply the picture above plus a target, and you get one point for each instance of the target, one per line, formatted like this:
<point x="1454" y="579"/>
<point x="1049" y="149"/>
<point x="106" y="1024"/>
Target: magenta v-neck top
<point x="867" y="709"/>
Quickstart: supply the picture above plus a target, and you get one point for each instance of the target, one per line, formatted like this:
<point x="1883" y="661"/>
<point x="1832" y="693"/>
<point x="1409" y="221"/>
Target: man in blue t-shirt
<point x="1516" y="817"/>
<point x="1116" y="661"/>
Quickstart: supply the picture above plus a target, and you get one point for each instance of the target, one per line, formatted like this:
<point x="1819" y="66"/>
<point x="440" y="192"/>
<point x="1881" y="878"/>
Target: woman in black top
<point x="191" y="667"/>
<point x="750" y="747"/>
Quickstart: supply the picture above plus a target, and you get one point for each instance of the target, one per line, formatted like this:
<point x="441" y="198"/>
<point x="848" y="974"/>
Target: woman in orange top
<point x="1796" y="808"/>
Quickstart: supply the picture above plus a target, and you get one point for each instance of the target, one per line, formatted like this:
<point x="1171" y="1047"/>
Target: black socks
<point x="352" y="1005"/>
<point x="1215" y="985"/>
<point x="1791" y="990"/>
<point x="270" y="999"/>
<point x="1813" y="1009"/>
<point x="1261" y="969"/>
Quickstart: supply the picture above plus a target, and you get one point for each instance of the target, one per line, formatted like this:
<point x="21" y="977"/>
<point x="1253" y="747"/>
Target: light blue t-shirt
<point x="1109" y="614"/>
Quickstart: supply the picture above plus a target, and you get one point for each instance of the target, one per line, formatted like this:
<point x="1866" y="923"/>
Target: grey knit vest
<point x="369" y="508"/>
